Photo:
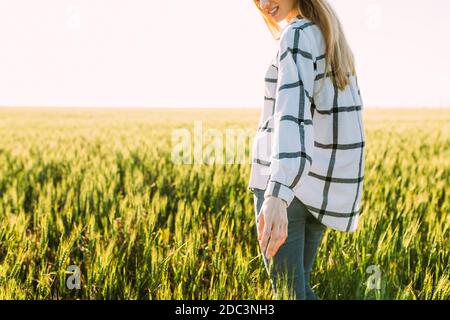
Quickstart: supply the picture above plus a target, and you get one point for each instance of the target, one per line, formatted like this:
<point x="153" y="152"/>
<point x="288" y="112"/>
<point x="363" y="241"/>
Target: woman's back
<point x="310" y="139"/>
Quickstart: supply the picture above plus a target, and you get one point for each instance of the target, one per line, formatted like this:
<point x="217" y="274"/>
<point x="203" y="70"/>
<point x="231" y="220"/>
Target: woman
<point x="308" y="153"/>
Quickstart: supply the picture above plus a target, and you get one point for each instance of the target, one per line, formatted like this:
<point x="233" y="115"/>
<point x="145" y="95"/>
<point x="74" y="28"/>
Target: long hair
<point x="339" y="56"/>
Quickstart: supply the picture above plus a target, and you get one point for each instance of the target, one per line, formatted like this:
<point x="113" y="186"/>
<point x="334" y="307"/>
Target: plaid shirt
<point x="310" y="143"/>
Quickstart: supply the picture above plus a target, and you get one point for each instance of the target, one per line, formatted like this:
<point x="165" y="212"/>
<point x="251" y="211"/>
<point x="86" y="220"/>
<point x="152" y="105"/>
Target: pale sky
<point x="205" y="53"/>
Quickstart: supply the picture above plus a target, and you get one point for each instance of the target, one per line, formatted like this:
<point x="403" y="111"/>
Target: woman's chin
<point x="276" y="19"/>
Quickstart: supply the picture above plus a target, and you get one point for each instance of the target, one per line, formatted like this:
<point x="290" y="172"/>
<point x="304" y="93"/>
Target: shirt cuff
<point x="281" y="191"/>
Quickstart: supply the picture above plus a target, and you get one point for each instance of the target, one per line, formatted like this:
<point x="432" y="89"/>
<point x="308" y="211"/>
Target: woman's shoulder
<point x="298" y="24"/>
<point x="297" y="33"/>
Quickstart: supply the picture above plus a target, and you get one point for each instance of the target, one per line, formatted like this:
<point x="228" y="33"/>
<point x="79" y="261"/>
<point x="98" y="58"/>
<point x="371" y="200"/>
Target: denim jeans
<point x="295" y="258"/>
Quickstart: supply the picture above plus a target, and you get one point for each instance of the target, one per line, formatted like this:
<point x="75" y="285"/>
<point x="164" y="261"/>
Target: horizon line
<point x="192" y="107"/>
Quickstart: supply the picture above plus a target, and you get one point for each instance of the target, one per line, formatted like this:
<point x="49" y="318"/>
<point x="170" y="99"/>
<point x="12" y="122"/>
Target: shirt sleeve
<point x="293" y="140"/>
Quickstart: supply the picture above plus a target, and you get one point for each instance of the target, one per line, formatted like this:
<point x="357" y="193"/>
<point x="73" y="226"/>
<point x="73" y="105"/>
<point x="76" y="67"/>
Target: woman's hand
<point x="272" y="222"/>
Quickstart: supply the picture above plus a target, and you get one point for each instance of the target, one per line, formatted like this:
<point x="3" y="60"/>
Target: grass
<point x="97" y="188"/>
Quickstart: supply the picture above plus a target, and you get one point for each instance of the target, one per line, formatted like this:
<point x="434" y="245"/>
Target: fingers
<point x="277" y="239"/>
<point x="272" y="226"/>
<point x="266" y="231"/>
<point x="260" y="225"/>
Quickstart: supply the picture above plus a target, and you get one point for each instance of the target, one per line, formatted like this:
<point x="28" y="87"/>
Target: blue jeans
<point x="295" y="258"/>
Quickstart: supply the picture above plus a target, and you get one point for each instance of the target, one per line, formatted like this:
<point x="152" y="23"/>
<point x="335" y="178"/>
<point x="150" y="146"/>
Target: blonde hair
<point x="338" y="55"/>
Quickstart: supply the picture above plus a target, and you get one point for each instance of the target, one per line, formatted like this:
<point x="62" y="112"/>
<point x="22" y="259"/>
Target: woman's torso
<point x="332" y="190"/>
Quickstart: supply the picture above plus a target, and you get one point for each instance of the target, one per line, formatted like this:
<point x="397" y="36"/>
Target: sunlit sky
<point x="205" y="53"/>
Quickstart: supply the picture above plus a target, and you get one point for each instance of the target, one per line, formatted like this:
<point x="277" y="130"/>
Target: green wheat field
<point x="98" y="189"/>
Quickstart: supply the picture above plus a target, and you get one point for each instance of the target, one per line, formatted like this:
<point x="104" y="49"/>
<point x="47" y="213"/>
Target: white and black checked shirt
<point x="308" y="144"/>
